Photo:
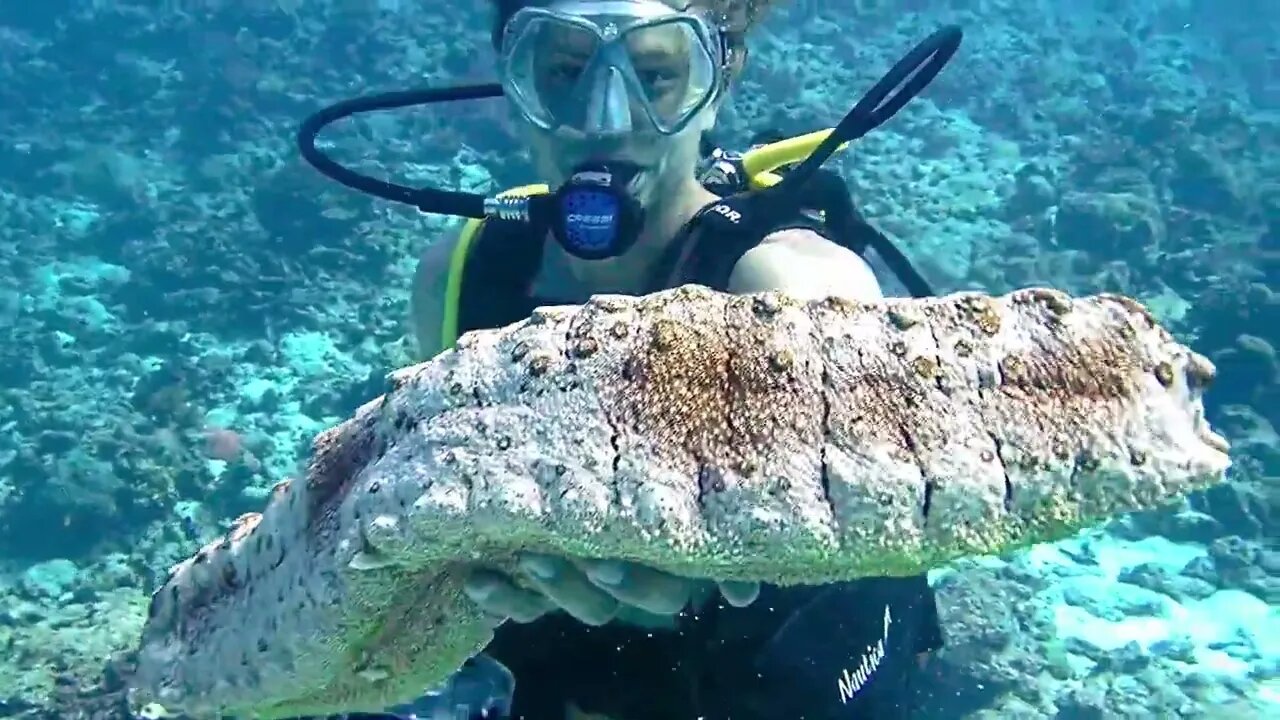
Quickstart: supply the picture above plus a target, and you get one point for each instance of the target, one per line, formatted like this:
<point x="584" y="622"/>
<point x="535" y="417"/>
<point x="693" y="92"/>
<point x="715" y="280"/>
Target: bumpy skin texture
<point x="718" y="436"/>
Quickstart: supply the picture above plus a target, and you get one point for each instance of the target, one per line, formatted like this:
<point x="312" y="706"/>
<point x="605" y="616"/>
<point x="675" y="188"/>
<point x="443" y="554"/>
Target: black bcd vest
<point x="505" y="256"/>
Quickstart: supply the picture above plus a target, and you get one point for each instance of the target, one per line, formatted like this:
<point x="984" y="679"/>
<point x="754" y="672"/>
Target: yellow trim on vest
<point x="759" y="164"/>
<point x="458" y="266"/>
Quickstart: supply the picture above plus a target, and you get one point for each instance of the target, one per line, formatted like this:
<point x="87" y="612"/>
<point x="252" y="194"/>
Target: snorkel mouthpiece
<point x="596" y="214"/>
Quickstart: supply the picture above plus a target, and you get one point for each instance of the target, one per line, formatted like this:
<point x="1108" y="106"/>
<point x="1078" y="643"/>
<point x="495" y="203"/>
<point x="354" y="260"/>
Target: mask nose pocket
<point x="609" y="107"/>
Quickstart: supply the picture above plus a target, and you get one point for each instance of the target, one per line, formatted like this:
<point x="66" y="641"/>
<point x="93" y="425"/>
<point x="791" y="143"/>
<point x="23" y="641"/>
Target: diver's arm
<point x="804" y="264"/>
<point x="426" y="304"/>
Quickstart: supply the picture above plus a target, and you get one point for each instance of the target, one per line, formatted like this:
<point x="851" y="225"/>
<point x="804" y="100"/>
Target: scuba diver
<point x="615" y="97"/>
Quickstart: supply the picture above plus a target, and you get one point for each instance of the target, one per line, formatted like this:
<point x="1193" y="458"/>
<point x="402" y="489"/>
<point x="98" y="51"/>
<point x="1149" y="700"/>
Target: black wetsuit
<point x="797" y="653"/>
<point x="844" y="650"/>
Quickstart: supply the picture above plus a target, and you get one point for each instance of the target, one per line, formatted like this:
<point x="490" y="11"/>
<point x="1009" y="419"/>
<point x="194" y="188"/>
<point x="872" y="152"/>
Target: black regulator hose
<point x="433" y="200"/>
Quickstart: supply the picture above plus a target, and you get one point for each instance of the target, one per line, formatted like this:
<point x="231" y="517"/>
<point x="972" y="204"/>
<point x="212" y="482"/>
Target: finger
<point x="569" y="588"/>
<point x="633" y="616"/>
<point x="639" y="586"/>
<point x="499" y="597"/>
<point x="739" y="594"/>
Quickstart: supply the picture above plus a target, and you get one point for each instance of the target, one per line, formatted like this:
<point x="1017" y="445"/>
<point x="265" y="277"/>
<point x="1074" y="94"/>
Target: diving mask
<point x="613" y="67"/>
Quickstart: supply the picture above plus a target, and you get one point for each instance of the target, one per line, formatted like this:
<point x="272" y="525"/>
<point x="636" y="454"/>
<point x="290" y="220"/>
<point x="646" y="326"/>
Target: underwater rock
<point x="1109" y="224"/>
<point x="997" y="631"/>
<point x="710" y="435"/>
<point x="1179" y="587"/>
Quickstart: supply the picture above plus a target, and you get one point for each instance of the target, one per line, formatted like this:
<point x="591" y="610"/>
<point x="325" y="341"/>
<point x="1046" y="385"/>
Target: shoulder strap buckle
<point x="724" y="172"/>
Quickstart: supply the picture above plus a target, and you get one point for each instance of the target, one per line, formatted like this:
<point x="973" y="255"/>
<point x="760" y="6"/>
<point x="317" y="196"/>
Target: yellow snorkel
<point x="759" y="163"/>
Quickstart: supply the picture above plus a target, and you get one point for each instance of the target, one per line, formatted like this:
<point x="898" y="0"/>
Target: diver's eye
<point x="565" y="72"/>
<point x="659" y="79"/>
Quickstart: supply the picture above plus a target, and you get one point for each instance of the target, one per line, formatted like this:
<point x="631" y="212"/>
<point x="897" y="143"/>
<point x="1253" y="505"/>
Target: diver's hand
<point x="592" y="591"/>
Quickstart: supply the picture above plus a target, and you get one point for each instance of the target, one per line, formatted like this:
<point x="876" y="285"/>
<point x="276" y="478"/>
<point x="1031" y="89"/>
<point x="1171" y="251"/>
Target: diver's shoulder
<point x="434" y="262"/>
<point x="438" y="256"/>
<point x="809" y="239"/>
<point x="427" y="293"/>
<point x="806" y="264"/>
<point x="442" y="246"/>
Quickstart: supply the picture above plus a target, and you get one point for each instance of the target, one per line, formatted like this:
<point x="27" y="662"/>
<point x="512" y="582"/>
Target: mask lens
<point x="673" y="71"/>
<point x="545" y="67"/>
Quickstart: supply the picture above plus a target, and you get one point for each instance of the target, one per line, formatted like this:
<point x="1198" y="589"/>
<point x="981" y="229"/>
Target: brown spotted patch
<point x="338" y="455"/>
